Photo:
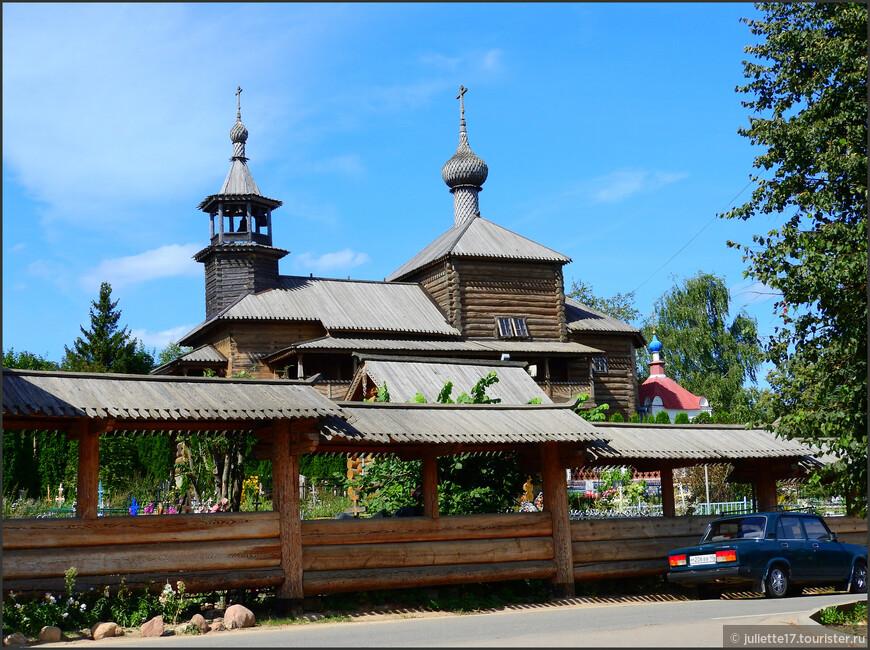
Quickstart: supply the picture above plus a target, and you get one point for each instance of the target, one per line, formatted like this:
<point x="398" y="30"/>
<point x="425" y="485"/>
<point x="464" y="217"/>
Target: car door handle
<point x="815" y="545"/>
<point x="784" y="545"/>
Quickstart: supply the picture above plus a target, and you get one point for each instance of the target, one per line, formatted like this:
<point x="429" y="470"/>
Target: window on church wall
<point x="511" y="327"/>
<point x="599" y="365"/>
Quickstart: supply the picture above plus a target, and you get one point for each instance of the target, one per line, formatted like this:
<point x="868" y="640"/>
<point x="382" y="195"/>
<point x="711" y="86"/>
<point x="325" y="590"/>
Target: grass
<point x="850" y="618"/>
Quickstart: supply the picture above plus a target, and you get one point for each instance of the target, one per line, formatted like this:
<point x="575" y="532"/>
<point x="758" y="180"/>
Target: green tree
<point x="807" y="93"/>
<point x="662" y="417"/>
<point x="105" y="347"/>
<point x="703" y="352"/>
<point x="620" y="306"/>
<point x="170" y="352"/>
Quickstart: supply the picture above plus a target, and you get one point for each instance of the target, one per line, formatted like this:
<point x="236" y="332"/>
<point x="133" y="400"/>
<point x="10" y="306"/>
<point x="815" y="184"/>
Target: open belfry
<point x="478" y="291"/>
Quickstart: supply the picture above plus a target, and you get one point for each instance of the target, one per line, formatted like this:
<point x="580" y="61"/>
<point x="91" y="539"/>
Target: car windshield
<point x="737" y="528"/>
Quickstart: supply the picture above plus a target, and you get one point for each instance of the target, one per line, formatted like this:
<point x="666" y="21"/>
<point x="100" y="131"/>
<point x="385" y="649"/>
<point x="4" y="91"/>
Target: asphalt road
<point x="622" y="622"/>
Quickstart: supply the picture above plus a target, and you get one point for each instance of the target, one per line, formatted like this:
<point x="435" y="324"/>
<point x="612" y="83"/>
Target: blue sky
<point x="610" y="132"/>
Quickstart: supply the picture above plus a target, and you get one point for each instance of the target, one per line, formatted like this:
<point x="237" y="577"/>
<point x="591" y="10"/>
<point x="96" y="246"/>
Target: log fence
<point x="243" y="550"/>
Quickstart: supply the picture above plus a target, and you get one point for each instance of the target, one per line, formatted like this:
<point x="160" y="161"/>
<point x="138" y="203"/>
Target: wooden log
<point x="847" y="524"/>
<point x="88" y="472"/>
<point x="639" y="528"/>
<point x="285" y="474"/>
<point x="765" y="485"/>
<point x="141" y="558"/>
<point x="430" y="486"/>
<point x="329" y="582"/>
<point x="404" y="554"/>
<point x="411" y="529"/>
<point x="556" y="503"/>
<point x="610" y="570"/>
<point x="194" y="581"/>
<point x="628" y="549"/>
<point x="142" y="529"/>
<point x="853" y="538"/>
<point x="669" y="508"/>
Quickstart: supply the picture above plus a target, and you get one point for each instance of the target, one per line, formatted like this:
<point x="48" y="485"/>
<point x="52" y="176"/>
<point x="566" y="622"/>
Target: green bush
<point x="635" y="417"/>
<point x="702" y="418"/>
<point x="617" y="417"/>
<point x="662" y="417"/>
<point x="649" y="419"/>
<point x="681" y="418"/>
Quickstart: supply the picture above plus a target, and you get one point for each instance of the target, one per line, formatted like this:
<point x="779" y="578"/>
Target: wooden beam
<point x="556" y="503"/>
<point x="87" y="497"/>
<point x="430" y="486"/>
<point x="285" y="481"/>
<point x="765" y="484"/>
<point x="669" y="507"/>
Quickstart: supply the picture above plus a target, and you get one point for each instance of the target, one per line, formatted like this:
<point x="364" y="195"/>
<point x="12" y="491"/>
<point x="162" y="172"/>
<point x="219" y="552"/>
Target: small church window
<point x="599" y="365"/>
<point x="510" y="327"/>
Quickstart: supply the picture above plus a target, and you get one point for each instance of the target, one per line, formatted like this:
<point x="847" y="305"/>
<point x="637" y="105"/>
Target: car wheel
<point x="858" y="583"/>
<point x="776" y="585"/>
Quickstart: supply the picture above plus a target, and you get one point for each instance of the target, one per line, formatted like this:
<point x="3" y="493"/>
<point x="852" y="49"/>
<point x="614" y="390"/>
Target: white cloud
<point x="491" y="60"/>
<point x="346" y="259"/>
<point x="621" y="184"/>
<point x="166" y="261"/>
<point x="160" y="340"/>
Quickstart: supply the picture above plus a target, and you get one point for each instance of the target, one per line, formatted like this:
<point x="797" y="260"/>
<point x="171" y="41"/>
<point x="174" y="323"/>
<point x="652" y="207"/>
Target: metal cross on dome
<point x="239" y="100"/>
<point x="462" y="91"/>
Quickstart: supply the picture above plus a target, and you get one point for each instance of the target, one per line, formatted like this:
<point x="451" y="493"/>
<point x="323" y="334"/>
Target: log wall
<point x="243" y="550"/>
<point x="617" y="387"/>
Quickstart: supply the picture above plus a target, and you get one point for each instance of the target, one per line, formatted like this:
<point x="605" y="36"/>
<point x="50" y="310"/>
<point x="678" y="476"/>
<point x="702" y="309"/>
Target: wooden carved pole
<point x="430" y="485"/>
<point x="555" y="487"/>
<point x="285" y="482"/>
<point x="89" y="470"/>
<point x="669" y="508"/>
<point x="765" y="485"/>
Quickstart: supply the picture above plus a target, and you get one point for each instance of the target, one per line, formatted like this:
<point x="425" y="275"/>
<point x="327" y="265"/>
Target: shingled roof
<point x="582" y="318"/>
<point x="343" y="305"/>
<point x="130" y="399"/>
<point x="468" y="424"/>
<point x="406" y="376"/>
<point x="478" y="238"/>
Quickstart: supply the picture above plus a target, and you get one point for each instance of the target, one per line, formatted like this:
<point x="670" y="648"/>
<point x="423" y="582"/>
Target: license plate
<point x="697" y="560"/>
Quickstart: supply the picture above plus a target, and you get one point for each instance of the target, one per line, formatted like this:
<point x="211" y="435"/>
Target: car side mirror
<point x="833" y="536"/>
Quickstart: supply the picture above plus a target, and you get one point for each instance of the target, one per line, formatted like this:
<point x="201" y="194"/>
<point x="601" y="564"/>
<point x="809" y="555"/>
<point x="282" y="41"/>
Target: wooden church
<point x="479" y="291"/>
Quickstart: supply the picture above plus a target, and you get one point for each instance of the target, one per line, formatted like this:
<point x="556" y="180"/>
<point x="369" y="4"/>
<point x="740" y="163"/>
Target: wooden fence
<point x="242" y="550"/>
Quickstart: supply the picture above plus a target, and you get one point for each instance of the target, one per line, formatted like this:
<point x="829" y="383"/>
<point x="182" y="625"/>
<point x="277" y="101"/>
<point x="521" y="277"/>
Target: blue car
<point x="777" y="553"/>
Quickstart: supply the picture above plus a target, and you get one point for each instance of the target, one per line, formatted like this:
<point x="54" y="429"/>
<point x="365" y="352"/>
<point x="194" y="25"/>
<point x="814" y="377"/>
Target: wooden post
<point x="285" y="485"/>
<point x="89" y="471"/>
<point x="555" y="489"/>
<point x="765" y="485"/>
<point x="669" y="508"/>
<point x="430" y="485"/>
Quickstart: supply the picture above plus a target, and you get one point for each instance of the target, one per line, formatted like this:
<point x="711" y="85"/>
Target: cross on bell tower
<point x="240" y="257"/>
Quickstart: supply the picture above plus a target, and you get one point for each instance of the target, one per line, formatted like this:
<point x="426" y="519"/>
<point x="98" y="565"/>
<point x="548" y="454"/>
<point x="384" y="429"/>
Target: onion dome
<point x="239" y="134"/>
<point x="655" y="345"/>
<point x="464" y="168"/>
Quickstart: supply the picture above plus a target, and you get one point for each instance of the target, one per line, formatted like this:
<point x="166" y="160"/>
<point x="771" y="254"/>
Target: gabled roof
<point x="673" y="395"/>
<point x="343" y="305"/>
<point x="132" y="398"/>
<point x="468" y="424"/>
<point x="582" y="318"/>
<point x="702" y="442"/>
<point x="487" y="347"/>
<point x="204" y="355"/>
<point x="479" y="238"/>
<point x="406" y="376"/>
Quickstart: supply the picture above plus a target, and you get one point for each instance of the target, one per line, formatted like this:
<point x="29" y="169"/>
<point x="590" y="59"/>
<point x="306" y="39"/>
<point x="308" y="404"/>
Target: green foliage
<point x="662" y="417"/>
<point x="319" y="467"/>
<point x="620" y="306"/>
<point x="703" y="418"/>
<point x="681" y="418"/>
<point x="702" y="351"/>
<point x="467" y="484"/>
<point x="419" y="399"/>
<point x="596" y="414"/>
<point x="808" y="95"/>
<point x="635" y="417"/>
<point x="617" y="417"/>
<point x="534" y="400"/>
<point x="27" y="361"/>
<point x="171" y="352"/>
<point x="835" y="615"/>
<point x="104" y="347"/>
<point x="649" y="419"/>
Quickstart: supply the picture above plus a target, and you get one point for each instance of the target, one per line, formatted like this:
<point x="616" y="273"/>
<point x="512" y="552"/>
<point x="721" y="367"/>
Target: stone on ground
<point x="217" y="626"/>
<point x="49" y="634"/>
<point x="106" y="630"/>
<point x="199" y="621"/>
<point x="154" y="627"/>
<point x="15" y="639"/>
<point x="238" y="616"/>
